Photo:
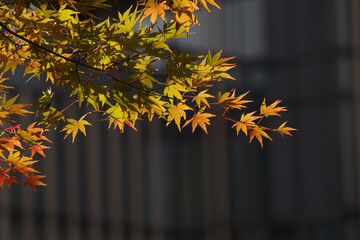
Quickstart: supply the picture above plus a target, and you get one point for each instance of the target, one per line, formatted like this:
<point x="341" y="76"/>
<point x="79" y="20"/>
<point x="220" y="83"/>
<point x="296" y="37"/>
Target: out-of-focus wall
<point x="160" y="184"/>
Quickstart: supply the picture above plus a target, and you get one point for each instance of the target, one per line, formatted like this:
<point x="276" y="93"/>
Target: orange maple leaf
<point x="38" y="148"/>
<point x="8" y="181"/>
<point x="258" y="133"/>
<point x="34" y="180"/>
<point x="3" y="177"/>
<point x="121" y="127"/>
<point x="13" y="128"/>
<point x="12" y="142"/>
<point x="37" y="131"/>
<point x="154" y="10"/>
<point x="204" y="3"/>
<point x="201" y="119"/>
<point x="24" y="170"/>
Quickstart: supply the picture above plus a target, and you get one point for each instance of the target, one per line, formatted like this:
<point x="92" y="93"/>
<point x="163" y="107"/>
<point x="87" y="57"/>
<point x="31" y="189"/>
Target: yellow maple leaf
<point x="19" y="161"/>
<point x="185" y="4"/>
<point x="74" y="126"/>
<point x="245" y="122"/>
<point x="174" y="90"/>
<point x="201" y="98"/>
<point x="12" y="108"/>
<point x="184" y="18"/>
<point x="272" y="109"/>
<point x="285" y="130"/>
<point x="177" y="112"/>
<point x="230" y="101"/>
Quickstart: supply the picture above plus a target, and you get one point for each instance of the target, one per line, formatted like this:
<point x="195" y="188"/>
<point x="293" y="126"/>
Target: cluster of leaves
<point x="119" y="70"/>
<point x="18" y="145"/>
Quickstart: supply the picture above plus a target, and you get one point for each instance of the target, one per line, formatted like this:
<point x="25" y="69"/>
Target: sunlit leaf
<point x="176" y="113"/>
<point x="258" y="133"/>
<point x="201" y="119"/>
<point x="121" y="71"/>
<point x="272" y="109"/>
<point x="74" y="126"/>
<point x="285" y="130"/>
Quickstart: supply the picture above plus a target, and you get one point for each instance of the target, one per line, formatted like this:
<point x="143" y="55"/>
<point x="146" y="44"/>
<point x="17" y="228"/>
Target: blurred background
<point x="159" y="184"/>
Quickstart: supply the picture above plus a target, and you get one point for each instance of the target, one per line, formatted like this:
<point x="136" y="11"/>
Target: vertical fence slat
<point x="114" y="183"/>
<point x="355" y="8"/>
<point x="28" y="221"/>
<point x="156" y="180"/>
<point x="51" y="230"/>
<point x="5" y="215"/>
<point x="136" y="185"/>
<point x="216" y="184"/>
<point x="93" y="183"/>
<point x="73" y="224"/>
<point x="355" y="20"/>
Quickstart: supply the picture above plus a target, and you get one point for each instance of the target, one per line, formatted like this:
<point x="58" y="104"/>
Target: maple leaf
<point x="16" y="159"/>
<point x="8" y="181"/>
<point x="204" y="3"/>
<point x="52" y="117"/>
<point x="230" y="101"/>
<point x="74" y="126"/>
<point x="245" y="122"/>
<point x="4" y="144"/>
<point x="184" y="18"/>
<point x="10" y="106"/>
<point x="220" y="65"/>
<point x="74" y="54"/>
<point x="4" y="117"/>
<point x="24" y="170"/>
<point x="155" y="9"/>
<point x="201" y="119"/>
<point x="216" y="61"/>
<point x="201" y="97"/>
<point x="33" y="134"/>
<point x="38" y="148"/>
<point x="13" y="128"/>
<point x="127" y="122"/>
<point x="3" y="177"/>
<point x="185" y="4"/>
<point x="173" y="90"/>
<point x="116" y="116"/>
<point x="176" y="113"/>
<point x="10" y="143"/>
<point x="258" y="133"/>
<point x="284" y="130"/>
<point x="34" y="180"/>
<point x="271" y="110"/>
